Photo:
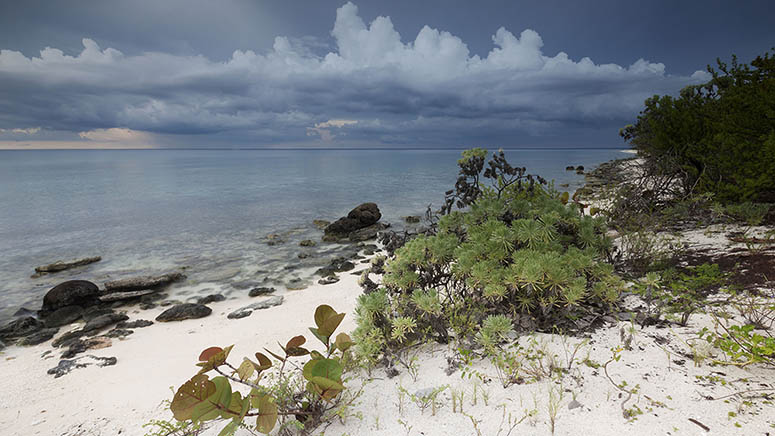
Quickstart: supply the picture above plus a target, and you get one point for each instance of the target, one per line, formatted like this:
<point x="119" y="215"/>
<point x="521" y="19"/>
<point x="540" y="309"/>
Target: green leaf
<point x="321" y="338"/>
<point x="192" y="393"/>
<point x="246" y="369"/>
<point x="322" y="313"/>
<point x="236" y="405"/>
<point x="231" y="427"/>
<point x="330" y="324"/>
<point x="212" y="406"/>
<point x="267" y="414"/>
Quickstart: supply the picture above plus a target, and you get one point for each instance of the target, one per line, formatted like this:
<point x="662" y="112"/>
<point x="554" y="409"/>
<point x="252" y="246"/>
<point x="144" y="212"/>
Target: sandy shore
<point x="118" y="399"/>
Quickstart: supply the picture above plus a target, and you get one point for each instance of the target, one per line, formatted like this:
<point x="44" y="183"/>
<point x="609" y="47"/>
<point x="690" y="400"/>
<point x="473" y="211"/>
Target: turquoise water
<point x="147" y="211"/>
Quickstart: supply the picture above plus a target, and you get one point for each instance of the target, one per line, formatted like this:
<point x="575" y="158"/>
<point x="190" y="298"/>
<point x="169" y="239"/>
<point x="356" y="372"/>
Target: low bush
<point x="515" y="248"/>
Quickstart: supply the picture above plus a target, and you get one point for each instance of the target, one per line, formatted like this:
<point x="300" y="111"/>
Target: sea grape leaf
<point x="343" y="341"/>
<point x="214" y="360"/>
<point x="231" y="427"/>
<point x="208" y="353"/>
<point x="263" y="362"/>
<point x="296" y="341"/>
<point x="294" y="347"/>
<point x="267" y="414"/>
<point x="246" y="369"/>
<point x="213" y="406"/>
<point x="193" y="392"/>
<point x="280" y="358"/>
<point x="330" y="324"/>
<point x="326" y="368"/>
<point x="235" y="406"/>
<point x="322" y="313"/>
<point x="322" y="338"/>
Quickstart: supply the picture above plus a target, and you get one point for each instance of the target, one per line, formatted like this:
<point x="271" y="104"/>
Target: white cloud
<point x="115" y="134"/>
<point x="371" y="75"/>
<point x="27" y="131"/>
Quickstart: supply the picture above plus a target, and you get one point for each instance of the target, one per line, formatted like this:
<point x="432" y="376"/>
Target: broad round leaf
<point x="267" y="414"/>
<point x="188" y="396"/>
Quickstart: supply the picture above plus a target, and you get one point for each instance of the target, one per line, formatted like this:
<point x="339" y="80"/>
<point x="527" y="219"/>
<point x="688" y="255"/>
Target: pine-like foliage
<point x="516" y="249"/>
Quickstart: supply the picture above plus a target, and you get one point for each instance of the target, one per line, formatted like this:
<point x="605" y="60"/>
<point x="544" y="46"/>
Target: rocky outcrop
<point x="65" y="265"/>
<point x="340" y="264"/>
<point x="143" y="283"/>
<point x="138" y="323"/>
<point x="19" y="328"/>
<point x="183" y="311"/>
<point x="128" y="295"/>
<point x="364" y="215"/>
<point x="256" y="292"/>
<point x="329" y="280"/>
<point x="38" y="337"/>
<point x="366" y="233"/>
<point x="71" y="293"/>
<point x="103" y="321"/>
<point x="212" y="298"/>
<point x="63" y="316"/>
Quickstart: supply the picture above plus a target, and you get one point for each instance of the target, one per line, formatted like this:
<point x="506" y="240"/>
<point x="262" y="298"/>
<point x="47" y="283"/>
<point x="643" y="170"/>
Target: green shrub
<point x="517" y="249"/>
<point x="718" y="137"/>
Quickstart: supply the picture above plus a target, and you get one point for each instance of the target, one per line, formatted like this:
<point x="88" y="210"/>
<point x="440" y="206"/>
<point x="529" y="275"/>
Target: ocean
<point x="212" y="211"/>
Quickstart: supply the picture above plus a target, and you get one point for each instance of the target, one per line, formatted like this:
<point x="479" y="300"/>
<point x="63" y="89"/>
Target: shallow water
<point x="150" y="211"/>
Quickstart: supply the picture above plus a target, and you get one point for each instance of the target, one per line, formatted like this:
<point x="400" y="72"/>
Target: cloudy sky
<point x="266" y="73"/>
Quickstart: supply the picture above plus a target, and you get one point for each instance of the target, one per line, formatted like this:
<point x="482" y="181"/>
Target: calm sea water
<point x="150" y="211"/>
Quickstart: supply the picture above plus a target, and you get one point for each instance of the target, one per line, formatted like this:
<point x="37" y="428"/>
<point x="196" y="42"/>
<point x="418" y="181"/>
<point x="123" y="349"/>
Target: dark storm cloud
<point x="369" y="85"/>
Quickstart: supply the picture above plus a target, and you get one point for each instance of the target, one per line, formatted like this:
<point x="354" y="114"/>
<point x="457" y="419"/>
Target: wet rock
<point x="412" y="219"/>
<point x="2" y="345"/>
<point x="63" y="316"/>
<point x="20" y="327"/>
<point x="329" y="280"/>
<point x="117" y="296"/>
<point x="295" y="284"/>
<point x="367" y="233"/>
<point x="62" y="265"/>
<point x="71" y="293"/>
<point x="39" y="337"/>
<point x="183" y="311"/>
<point x="274" y="239"/>
<point x="147" y="306"/>
<point x="244" y="284"/>
<point x="255" y="292"/>
<point x="570" y="168"/>
<point x="247" y="310"/>
<point x="67" y="365"/>
<point x="144" y="282"/>
<point x="23" y="311"/>
<point x="103" y="321"/>
<point x="321" y="224"/>
<point x="362" y="216"/>
<point x="303" y="255"/>
<point x="139" y="323"/>
<point x="307" y="243"/>
<point x="212" y="298"/>
<point x="580" y="168"/>
<point x="340" y="264"/>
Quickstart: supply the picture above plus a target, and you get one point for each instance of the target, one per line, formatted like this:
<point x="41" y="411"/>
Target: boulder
<point x="103" y="321"/>
<point x="179" y="312"/>
<point x="263" y="304"/>
<point x="321" y="224"/>
<point x="95" y="311"/>
<point x="20" y="327"/>
<point x="412" y="219"/>
<point x="339" y="264"/>
<point x="364" y="215"/>
<point x="63" y="316"/>
<point x="255" y="292"/>
<point x="64" y="265"/>
<point x="38" y="337"/>
<point x="307" y="243"/>
<point x="144" y="282"/>
<point x="71" y="293"/>
<point x="366" y="233"/>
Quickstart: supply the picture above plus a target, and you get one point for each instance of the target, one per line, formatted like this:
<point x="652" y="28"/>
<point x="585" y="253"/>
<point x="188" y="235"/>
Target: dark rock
<point x="362" y="216"/>
<point x="580" y="168"/>
<point x="23" y="311"/>
<point x="166" y="303"/>
<point x="255" y="292"/>
<point x="95" y="311"/>
<point x="570" y="168"/>
<point x="212" y="298"/>
<point x="303" y="255"/>
<point x="67" y="365"/>
<point x="61" y="265"/>
<point x="79" y="346"/>
<point x="68" y="338"/>
<point x="2" y="345"/>
<point x="118" y="333"/>
<point x="244" y="284"/>
<point x="125" y="295"/>
<point x="144" y="282"/>
<point x="329" y="280"/>
<point x="307" y="243"/>
<point x="147" y="306"/>
<point x="139" y="323"/>
<point x="63" y="316"/>
<point x="184" y="311"/>
<point x="263" y="304"/>
<point x="20" y="327"/>
<point x="39" y="337"/>
<point x="412" y="219"/>
<point x="103" y="321"/>
<point x="321" y="224"/>
<point x="340" y="264"/>
<point x="71" y="293"/>
<point x="366" y="233"/>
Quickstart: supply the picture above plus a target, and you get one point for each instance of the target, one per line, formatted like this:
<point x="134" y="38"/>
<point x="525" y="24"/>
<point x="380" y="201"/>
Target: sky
<point x="403" y="74"/>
